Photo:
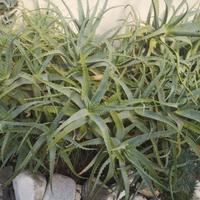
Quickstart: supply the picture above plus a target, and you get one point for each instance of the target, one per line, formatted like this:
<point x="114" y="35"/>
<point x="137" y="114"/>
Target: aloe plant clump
<point x="67" y="92"/>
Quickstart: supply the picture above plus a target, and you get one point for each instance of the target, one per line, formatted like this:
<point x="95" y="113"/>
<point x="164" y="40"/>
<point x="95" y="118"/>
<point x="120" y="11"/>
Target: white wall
<point x="112" y="17"/>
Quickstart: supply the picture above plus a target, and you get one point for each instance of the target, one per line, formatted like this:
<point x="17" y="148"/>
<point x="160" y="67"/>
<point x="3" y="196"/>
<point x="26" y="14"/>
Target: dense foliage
<point x="7" y="10"/>
<point x="106" y="106"/>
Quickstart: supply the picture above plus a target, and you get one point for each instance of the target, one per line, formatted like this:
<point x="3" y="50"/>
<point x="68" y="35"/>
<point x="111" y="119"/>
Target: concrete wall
<point x="112" y="17"/>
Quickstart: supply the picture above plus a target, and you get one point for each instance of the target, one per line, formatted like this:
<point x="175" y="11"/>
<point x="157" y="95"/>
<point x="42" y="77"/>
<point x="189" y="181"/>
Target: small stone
<point x="121" y="195"/>
<point x="78" y="192"/>
<point x="148" y="193"/>
<point x="140" y="198"/>
<point x="29" y="187"/>
<point x="62" y="188"/>
<point x="196" y="195"/>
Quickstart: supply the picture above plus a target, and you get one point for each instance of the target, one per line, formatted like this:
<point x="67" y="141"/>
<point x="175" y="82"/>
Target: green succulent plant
<point x="130" y="108"/>
<point x="6" y="5"/>
<point x="7" y="10"/>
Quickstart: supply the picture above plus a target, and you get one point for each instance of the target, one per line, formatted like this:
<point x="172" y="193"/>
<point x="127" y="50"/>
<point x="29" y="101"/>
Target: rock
<point x="196" y="195"/>
<point x="63" y="188"/>
<point x="140" y="198"/>
<point x="29" y="187"/>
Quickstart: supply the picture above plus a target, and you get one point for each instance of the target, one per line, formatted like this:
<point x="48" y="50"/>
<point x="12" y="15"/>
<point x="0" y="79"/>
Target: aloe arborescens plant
<point x="133" y="108"/>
